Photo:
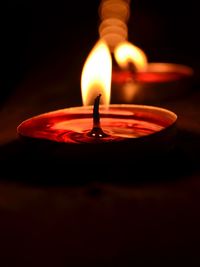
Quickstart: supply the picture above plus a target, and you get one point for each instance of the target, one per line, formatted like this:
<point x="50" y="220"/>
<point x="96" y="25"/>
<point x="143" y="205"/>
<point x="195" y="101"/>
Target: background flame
<point x="126" y="53"/>
<point x="96" y="75"/>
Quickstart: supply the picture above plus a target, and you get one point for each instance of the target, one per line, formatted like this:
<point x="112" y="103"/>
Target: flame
<point x="126" y="53"/>
<point x="96" y="75"/>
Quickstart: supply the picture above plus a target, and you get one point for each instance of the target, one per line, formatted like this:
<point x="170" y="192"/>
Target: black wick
<point x="132" y="68"/>
<point x="96" y="131"/>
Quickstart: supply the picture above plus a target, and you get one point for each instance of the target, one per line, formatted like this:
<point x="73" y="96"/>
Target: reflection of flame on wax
<point x="126" y="53"/>
<point x="96" y="75"/>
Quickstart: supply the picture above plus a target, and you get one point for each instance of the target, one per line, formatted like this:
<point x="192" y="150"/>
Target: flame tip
<point x="126" y="53"/>
<point x="96" y="74"/>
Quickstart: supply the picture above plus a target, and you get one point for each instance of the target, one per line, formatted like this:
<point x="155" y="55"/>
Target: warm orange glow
<point x="113" y="39"/>
<point x="126" y="53"/>
<point x="114" y="9"/>
<point x="96" y="75"/>
<point x="114" y="15"/>
<point x="114" y="29"/>
<point x="110" y="22"/>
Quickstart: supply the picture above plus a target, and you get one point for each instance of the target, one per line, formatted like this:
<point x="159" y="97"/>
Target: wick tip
<point x="98" y="97"/>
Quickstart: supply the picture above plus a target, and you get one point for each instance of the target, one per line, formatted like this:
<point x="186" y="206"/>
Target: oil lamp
<point x="97" y="126"/>
<point x="134" y="79"/>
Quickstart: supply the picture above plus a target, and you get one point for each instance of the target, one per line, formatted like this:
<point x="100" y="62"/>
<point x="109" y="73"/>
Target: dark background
<point x="97" y="222"/>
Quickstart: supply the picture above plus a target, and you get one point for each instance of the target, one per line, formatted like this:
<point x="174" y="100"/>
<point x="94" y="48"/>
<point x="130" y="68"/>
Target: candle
<point x="116" y="124"/>
<point x="136" y="80"/>
<point x="119" y="123"/>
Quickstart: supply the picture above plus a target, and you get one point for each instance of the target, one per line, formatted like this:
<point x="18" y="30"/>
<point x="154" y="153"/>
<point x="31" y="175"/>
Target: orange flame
<point x="96" y="75"/>
<point x="126" y="53"/>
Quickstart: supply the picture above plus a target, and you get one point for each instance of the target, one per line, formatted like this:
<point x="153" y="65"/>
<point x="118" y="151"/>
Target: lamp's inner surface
<point x="119" y="122"/>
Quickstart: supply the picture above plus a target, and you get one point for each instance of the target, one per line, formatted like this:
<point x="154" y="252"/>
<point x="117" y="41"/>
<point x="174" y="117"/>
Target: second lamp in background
<point x="134" y="79"/>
